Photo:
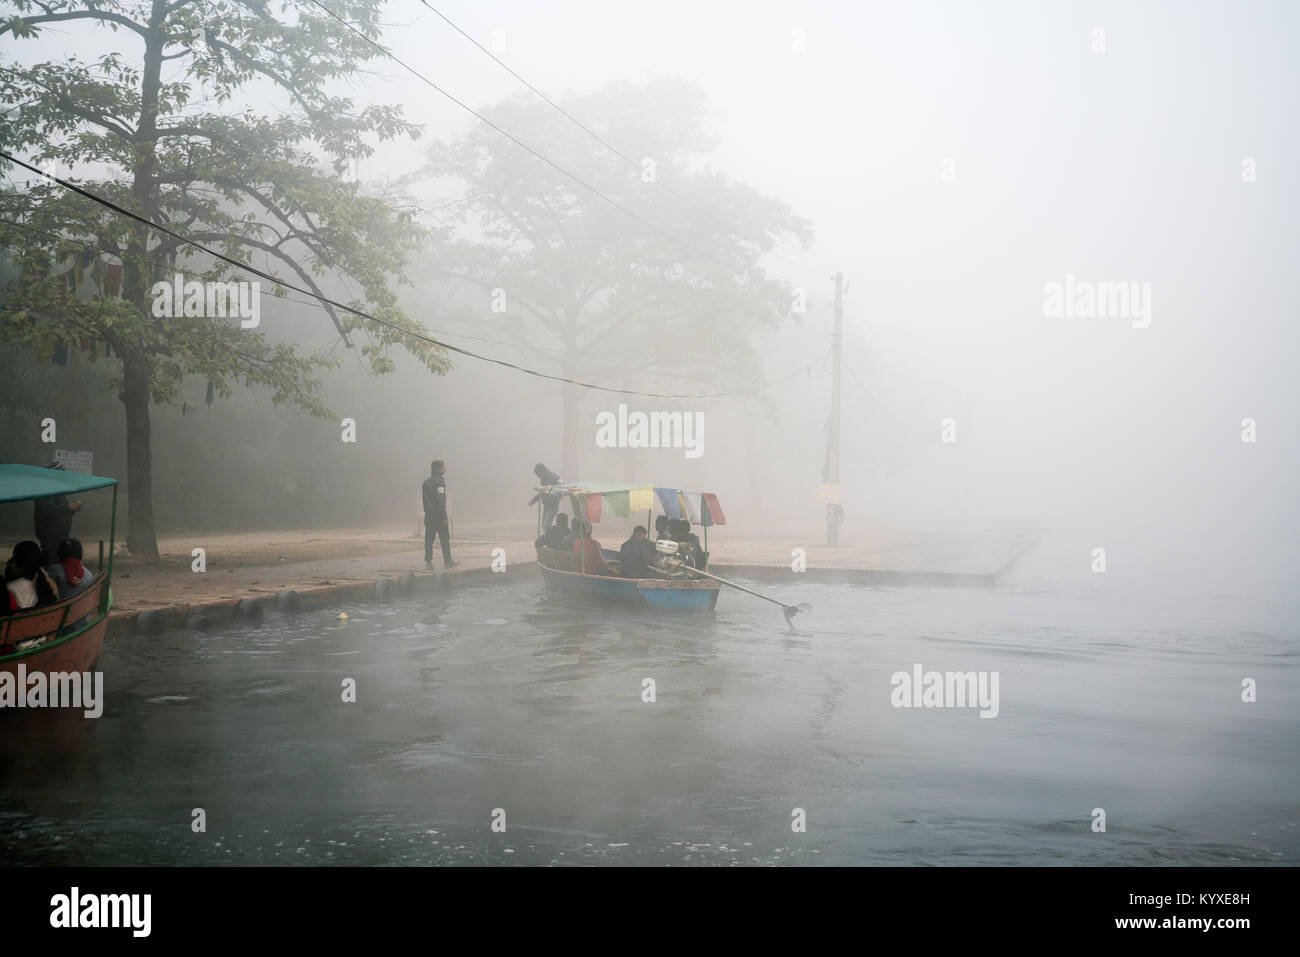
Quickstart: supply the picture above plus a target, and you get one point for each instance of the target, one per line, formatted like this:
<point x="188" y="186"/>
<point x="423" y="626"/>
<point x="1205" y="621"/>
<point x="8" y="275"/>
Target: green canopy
<point x="19" y="483"/>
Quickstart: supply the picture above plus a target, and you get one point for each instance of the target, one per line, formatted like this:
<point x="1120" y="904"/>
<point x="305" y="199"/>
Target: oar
<point x="790" y="610"/>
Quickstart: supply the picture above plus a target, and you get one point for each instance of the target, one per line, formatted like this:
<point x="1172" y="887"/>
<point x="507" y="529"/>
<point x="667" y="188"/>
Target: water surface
<point x="496" y="697"/>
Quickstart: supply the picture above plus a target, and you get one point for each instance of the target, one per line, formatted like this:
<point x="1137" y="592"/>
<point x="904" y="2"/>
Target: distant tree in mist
<point x="160" y="114"/>
<point x="618" y="300"/>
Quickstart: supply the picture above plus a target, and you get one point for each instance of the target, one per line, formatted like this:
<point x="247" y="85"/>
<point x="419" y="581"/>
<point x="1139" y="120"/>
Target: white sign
<point x="83" y="462"/>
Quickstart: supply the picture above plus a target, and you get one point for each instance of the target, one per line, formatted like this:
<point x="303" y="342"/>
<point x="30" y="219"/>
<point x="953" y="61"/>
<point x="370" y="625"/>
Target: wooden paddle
<point x="790" y="610"/>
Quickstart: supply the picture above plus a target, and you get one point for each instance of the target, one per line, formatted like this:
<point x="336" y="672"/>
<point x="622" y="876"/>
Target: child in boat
<point x="26" y="582"/>
<point x="20" y="593"/>
<point x="69" y="574"/>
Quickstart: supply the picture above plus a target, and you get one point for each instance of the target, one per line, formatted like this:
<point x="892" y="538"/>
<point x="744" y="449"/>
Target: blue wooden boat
<point x="564" y="573"/>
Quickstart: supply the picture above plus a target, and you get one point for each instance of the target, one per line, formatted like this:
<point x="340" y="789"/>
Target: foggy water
<point x="495" y="696"/>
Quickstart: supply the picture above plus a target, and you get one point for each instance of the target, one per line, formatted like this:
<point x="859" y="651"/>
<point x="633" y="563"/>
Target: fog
<point x="952" y="161"/>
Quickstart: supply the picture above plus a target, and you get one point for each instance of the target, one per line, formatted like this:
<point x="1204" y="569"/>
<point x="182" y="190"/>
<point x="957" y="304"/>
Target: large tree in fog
<point x="166" y="114"/>
<point x="618" y="299"/>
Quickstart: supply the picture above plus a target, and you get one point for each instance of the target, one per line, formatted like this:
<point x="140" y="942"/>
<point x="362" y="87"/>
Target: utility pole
<point x="831" y="473"/>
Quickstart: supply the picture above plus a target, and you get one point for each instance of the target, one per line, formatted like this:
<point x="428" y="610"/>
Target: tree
<point x="684" y="293"/>
<point x="268" y="191"/>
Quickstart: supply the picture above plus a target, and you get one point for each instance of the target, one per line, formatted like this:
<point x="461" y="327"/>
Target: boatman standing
<point x="550" y="500"/>
<point x="54" y="520"/>
<point x="435" y="515"/>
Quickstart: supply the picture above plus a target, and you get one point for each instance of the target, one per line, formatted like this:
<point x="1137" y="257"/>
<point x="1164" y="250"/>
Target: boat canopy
<point x="624" y="500"/>
<point x="19" y="483"/>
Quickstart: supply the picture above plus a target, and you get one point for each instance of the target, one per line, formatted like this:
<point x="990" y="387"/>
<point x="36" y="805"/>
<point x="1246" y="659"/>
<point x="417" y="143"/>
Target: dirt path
<point x="244" y="564"/>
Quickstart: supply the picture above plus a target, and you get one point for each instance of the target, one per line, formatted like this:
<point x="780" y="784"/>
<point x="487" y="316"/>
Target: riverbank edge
<point x="201" y="616"/>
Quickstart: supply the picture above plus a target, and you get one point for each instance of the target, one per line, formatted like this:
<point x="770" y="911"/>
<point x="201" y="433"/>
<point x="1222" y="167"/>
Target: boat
<point x="563" y="571"/>
<point x="67" y="635"/>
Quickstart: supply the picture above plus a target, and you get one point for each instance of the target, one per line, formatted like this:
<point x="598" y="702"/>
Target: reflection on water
<point x="496" y="697"/>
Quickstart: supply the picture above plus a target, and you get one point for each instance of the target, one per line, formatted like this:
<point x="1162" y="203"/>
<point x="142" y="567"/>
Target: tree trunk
<point x="755" y="458"/>
<point x="569" y="468"/>
<point x="569" y="394"/>
<point x="137" y="366"/>
<point x="142" y="539"/>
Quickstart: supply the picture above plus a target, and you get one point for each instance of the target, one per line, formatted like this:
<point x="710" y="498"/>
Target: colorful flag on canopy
<point x="668" y="502"/>
<point x="691" y="502"/>
<point x="711" y="511"/>
<point x="640" y="499"/>
<point x="593" y="508"/>
<point x="618" y="503"/>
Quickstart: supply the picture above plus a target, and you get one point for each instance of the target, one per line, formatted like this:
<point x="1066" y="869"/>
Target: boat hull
<point x="78" y="652"/>
<point x="657" y="593"/>
<point x="71" y="648"/>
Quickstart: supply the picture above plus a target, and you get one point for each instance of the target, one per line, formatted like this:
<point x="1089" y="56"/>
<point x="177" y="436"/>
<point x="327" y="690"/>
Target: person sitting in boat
<point x="586" y="550"/>
<point x="69" y="574"/>
<point x="558" y="535"/>
<point x="26" y="582"/>
<point x="20" y="593"/>
<point x="637" y="556"/>
<point x="661" y="529"/>
<point x="688" y="543"/>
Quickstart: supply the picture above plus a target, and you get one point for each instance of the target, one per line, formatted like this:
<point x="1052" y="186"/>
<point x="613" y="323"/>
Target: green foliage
<point x="264" y="190"/>
<point x="586" y="275"/>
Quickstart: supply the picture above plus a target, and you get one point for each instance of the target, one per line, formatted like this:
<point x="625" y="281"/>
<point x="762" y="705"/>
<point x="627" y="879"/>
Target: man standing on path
<point x="54" y="520"/>
<point x="435" y="515"/>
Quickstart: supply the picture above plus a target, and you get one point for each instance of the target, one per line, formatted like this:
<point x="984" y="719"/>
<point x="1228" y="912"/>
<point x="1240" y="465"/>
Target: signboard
<point x="83" y="462"/>
<point x="828" y="494"/>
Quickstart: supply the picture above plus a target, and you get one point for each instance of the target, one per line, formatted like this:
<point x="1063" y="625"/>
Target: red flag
<point x="593" y="507"/>
<point x="715" y="510"/>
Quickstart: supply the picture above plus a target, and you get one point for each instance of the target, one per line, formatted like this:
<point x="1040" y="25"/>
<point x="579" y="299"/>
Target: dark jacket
<point x="53" y="519"/>
<point x="690" y="551"/>
<point x="435" y="498"/>
<point x="547" y="478"/>
<point x="635" y="558"/>
<point x="557" y="536"/>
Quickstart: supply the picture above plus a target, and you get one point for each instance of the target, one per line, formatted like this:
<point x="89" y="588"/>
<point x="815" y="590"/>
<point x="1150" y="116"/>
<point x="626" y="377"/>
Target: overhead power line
<point x="605" y="143"/>
<point x="570" y="117"/>
<point x="93" y="247"/>
<point x="520" y="143"/>
<point x="351" y="309"/>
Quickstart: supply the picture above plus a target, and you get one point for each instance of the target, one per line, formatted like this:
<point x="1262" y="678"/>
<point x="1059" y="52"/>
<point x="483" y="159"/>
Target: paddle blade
<point x="792" y="610"/>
